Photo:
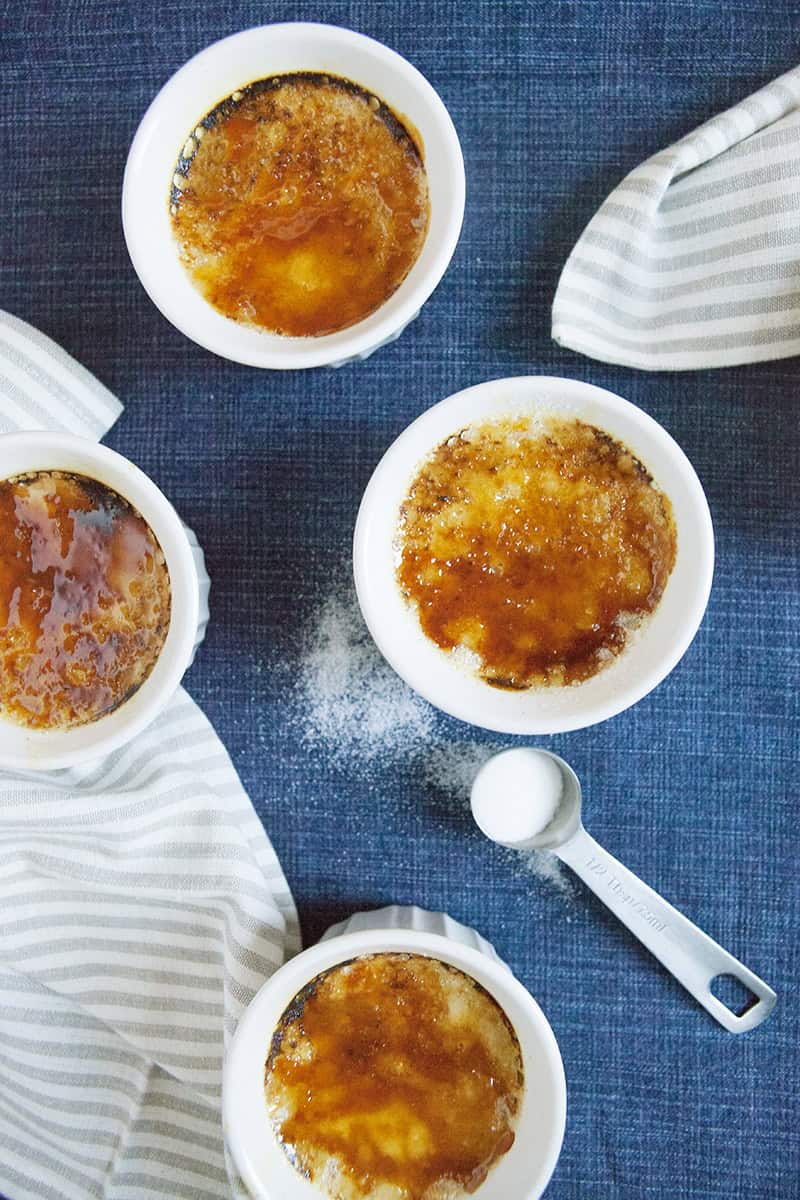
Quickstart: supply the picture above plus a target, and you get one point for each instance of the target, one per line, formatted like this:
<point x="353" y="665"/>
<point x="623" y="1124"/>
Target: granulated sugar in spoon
<point x="530" y="799"/>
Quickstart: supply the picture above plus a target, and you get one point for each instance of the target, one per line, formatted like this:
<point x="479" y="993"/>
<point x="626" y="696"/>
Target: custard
<point x="532" y="548"/>
<point x="300" y="204"/>
<point x="394" y="1075"/>
<point x="84" y="600"/>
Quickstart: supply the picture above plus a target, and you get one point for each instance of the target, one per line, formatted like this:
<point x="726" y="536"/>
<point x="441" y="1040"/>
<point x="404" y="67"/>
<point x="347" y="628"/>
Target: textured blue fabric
<point x="695" y="788"/>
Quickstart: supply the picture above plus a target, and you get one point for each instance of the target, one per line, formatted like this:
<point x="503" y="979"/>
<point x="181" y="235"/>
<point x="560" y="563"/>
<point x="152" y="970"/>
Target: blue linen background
<point x="695" y="787"/>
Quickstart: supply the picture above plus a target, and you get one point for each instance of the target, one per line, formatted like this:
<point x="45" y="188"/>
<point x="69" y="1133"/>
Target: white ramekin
<point x="652" y="651"/>
<point x="33" y="749"/>
<point x="521" y="1174"/>
<point x="197" y="88"/>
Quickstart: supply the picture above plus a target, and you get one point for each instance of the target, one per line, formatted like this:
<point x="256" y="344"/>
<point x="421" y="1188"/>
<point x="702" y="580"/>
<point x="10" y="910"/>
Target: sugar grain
<point x="353" y="703"/>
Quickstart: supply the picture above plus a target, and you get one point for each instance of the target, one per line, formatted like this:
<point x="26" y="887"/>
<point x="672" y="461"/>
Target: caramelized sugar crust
<point x="535" y="546"/>
<point x="301" y="206"/>
<point x="84" y="599"/>
<point x="394" y="1075"/>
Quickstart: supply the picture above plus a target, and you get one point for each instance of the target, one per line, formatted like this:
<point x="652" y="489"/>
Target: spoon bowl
<point x="531" y="783"/>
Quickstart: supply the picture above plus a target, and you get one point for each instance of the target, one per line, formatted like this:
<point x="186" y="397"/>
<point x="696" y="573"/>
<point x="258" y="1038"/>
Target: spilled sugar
<point x="452" y="766"/>
<point x="353" y="703"/>
<point x="351" y="706"/>
<point x="544" y="866"/>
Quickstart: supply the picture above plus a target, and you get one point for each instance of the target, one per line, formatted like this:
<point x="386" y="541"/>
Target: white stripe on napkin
<point x="141" y="907"/>
<point x="693" y="261"/>
<point x="43" y="387"/>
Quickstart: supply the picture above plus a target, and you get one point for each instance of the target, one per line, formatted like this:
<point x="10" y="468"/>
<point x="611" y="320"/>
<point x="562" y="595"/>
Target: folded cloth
<point x="692" y="261"/>
<point x="141" y="906"/>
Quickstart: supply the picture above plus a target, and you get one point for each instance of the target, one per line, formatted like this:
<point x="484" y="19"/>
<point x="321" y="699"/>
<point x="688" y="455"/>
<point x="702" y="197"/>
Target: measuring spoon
<point x="530" y="799"/>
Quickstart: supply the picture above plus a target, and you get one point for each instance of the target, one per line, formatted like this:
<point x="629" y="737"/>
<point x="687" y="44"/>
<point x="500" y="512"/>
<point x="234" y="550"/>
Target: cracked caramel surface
<point x="533" y="547"/>
<point x="300" y="204"/>
<point x="84" y="600"/>
<point x="394" y="1077"/>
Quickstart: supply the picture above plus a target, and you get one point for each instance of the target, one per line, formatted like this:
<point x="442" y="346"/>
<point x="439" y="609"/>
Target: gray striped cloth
<point x="141" y="906"/>
<point x="693" y="261"/>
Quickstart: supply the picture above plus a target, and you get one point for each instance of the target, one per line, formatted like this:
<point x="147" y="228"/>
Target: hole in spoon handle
<point x="758" y="1003"/>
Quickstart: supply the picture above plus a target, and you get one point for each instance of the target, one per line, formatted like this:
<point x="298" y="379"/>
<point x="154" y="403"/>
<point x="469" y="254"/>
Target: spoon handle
<point x="687" y="953"/>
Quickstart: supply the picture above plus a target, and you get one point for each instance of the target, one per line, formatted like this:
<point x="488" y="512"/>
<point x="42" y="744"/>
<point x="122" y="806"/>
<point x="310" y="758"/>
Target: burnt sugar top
<point x="300" y="203"/>
<point x="533" y="548"/>
<point x="394" y="1071"/>
<point x="84" y="599"/>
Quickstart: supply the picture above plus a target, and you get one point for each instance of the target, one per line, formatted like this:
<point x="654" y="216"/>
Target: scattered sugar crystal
<point x="544" y="865"/>
<point x="353" y="701"/>
<point x="450" y="768"/>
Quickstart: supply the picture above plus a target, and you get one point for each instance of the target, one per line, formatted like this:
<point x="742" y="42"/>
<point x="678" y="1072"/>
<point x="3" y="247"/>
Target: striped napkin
<point x="141" y="906"/>
<point x="693" y="261"/>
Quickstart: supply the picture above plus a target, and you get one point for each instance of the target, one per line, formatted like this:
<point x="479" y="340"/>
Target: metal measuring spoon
<point x="529" y="799"/>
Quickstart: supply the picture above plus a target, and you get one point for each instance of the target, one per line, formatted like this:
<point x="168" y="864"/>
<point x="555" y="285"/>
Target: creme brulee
<point x="394" y="1075"/>
<point x="84" y="599"/>
<point x="533" y="547"/>
<point x="300" y="204"/>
